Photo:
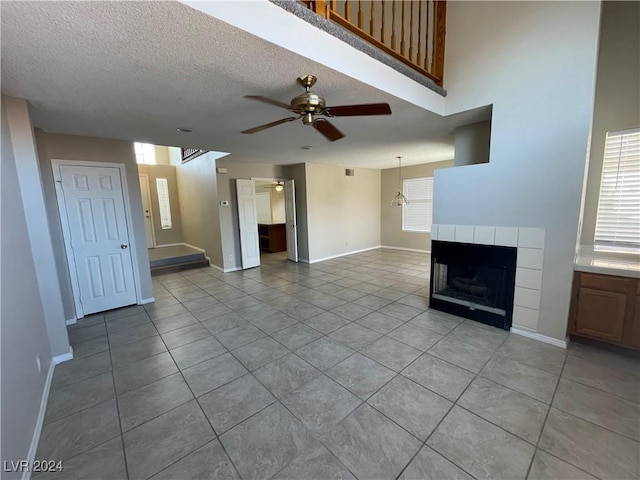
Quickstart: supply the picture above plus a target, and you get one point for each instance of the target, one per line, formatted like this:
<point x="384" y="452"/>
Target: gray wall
<point x="198" y="193"/>
<point x="391" y="233"/>
<point x="72" y="147"/>
<point x="343" y="213"/>
<point x="174" y="234"/>
<point x="617" y="105"/>
<point x="23" y="328"/>
<point x="472" y="144"/>
<point x="229" y="228"/>
<point x="535" y="62"/>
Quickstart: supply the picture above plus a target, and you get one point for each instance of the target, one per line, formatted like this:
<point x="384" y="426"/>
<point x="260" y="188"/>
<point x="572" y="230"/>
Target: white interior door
<point x="290" y="213"/>
<point x="92" y="206"/>
<point x="146" y="208"/>
<point x="263" y="207"/>
<point x="248" y="220"/>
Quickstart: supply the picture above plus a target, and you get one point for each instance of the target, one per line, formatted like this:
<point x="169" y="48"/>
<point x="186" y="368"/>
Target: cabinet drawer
<point x="606" y="282"/>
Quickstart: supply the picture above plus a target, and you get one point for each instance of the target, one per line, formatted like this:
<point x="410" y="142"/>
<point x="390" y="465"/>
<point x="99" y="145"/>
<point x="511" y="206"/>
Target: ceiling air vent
<point x="349" y="172"/>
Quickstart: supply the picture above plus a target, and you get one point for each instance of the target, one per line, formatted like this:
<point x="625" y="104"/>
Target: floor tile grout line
<point x="115" y="391"/>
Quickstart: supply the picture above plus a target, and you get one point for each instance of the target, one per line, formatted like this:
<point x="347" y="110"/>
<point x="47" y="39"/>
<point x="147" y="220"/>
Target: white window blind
<point x="416" y="214"/>
<point x="163" y="201"/>
<point x="618" y="220"/>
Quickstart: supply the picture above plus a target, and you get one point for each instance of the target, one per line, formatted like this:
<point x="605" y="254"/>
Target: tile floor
<point x="334" y="370"/>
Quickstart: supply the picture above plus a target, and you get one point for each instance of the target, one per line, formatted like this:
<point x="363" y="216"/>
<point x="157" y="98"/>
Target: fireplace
<point x="474" y="281"/>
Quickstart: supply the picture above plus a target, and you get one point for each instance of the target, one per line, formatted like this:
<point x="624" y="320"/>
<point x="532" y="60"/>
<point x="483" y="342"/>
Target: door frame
<point x="153" y="227"/>
<point x="295" y="220"/>
<point x="66" y="231"/>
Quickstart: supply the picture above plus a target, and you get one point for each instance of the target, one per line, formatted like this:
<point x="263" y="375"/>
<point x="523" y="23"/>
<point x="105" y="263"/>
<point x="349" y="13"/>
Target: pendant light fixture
<point x="399" y="200"/>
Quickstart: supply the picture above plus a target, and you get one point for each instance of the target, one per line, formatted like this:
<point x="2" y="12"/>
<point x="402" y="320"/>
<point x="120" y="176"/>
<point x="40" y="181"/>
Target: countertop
<point x="607" y="263"/>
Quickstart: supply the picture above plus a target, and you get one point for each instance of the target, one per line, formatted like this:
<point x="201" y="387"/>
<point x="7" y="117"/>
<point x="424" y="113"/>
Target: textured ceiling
<point x="139" y="70"/>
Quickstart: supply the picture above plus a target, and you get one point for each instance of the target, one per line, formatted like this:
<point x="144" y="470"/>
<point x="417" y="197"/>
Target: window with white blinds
<point x="163" y="203"/>
<point x="618" y="220"/>
<point x="416" y="214"/>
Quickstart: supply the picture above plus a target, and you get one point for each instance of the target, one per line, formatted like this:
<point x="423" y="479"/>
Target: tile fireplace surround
<point x="530" y="244"/>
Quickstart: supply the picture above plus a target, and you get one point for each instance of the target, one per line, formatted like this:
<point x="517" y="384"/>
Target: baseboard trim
<point x="344" y="254"/>
<point x="33" y="448"/>
<point x="65" y="357"/>
<point x="541" y="338"/>
<point x="226" y="270"/>
<point x="303" y="260"/>
<point x="145" y="301"/>
<point x="170" y="245"/>
<point x="406" y="249"/>
<point x="71" y="321"/>
<point x="194" y="247"/>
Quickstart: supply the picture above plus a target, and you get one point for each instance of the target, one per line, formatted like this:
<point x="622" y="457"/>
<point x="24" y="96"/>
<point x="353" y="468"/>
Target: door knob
<point x="124" y="246"/>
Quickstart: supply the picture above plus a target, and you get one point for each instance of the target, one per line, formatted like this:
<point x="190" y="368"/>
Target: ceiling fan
<point x="278" y="186"/>
<point x="312" y="109"/>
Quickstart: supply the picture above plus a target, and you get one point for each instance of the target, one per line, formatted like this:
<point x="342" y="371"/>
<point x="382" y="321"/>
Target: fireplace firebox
<point x="474" y="281"/>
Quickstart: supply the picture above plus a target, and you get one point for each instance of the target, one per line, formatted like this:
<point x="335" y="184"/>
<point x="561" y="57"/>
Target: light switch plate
<point x="224" y="203"/>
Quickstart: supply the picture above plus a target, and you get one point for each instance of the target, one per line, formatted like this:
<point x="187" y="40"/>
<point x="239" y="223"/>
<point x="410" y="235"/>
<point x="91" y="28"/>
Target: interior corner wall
<point x="535" y="62"/>
<point x="91" y="149"/>
<point x="391" y="233"/>
<point x="229" y="227"/>
<point x="472" y="144"/>
<point x="617" y="103"/>
<point x="173" y="234"/>
<point x="199" y="210"/>
<point x="343" y="213"/>
<point x="39" y="229"/>
<point x="297" y="173"/>
<point x="23" y="325"/>
<point x="162" y="155"/>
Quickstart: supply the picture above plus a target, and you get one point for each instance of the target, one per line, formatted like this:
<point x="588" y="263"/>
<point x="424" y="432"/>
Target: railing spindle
<point x="372" y="22"/>
<point x="383" y="34"/>
<point x="393" y="24"/>
<point x="430" y="28"/>
<point x="402" y="35"/>
<point x="411" y="32"/>
<point x="426" y="39"/>
<point x="418" y="55"/>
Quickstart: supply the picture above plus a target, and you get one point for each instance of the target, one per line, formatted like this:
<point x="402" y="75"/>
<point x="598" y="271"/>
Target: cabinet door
<point x="600" y="314"/>
<point x="633" y="338"/>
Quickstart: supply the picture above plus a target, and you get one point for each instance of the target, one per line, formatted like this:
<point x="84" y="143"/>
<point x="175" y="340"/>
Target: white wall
<point x="535" y="62"/>
<point x="617" y="104"/>
<point x="198" y="193"/>
<point x="23" y="329"/>
<point x="38" y="225"/>
<point x="343" y="213"/>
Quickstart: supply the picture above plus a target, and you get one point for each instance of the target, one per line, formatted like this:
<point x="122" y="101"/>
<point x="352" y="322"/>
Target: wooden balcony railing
<point x="412" y="31"/>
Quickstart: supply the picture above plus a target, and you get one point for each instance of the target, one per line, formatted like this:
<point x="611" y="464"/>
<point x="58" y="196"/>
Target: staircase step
<point x="177" y="267"/>
<point x="191" y="257"/>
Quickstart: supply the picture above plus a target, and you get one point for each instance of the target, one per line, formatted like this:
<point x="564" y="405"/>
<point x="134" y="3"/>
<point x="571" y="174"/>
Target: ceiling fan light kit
<point x="312" y="109"/>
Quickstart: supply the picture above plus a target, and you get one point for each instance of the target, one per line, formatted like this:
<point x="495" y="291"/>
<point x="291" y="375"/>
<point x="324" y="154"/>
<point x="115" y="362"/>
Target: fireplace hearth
<point x="474" y="281"/>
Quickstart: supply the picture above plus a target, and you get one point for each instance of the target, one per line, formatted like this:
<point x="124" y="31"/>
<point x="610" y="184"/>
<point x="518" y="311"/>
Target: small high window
<point x="417" y="213"/>
<point x="145" y="153"/>
<point x="163" y="202"/>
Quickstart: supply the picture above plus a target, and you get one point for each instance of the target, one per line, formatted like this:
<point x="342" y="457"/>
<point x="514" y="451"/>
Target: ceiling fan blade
<point x="357" y="110"/>
<point x="327" y="129"/>
<point x="268" y="100"/>
<point x="269" y="125"/>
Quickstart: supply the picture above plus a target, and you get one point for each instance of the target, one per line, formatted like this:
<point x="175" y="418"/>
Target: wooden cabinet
<point x="607" y="308"/>
<point x="273" y="237"/>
